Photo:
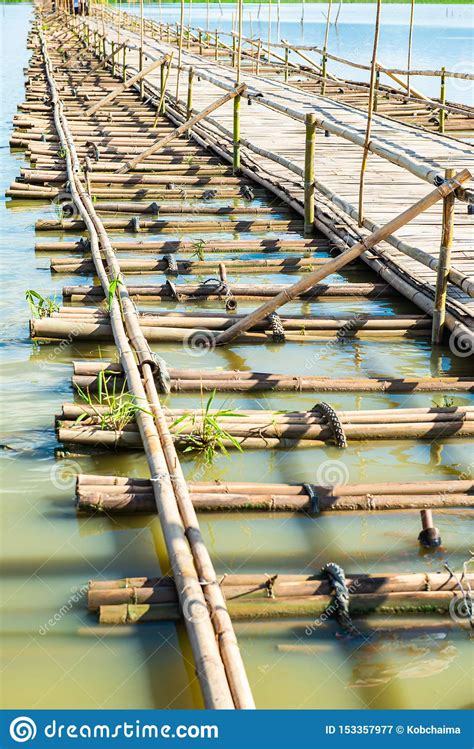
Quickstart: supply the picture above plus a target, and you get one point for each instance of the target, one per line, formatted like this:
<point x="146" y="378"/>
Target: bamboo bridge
<point x="103" y="126"/>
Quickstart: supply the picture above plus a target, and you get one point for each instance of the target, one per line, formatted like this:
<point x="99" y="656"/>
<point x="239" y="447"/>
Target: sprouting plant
<point x="198" y="247"/>
<point x="207" y="436"/>
<point x="41" y="306"/>
<point x="189" y="160"/>
<point x="62" y="152"/>
<point x="447" y="402"/>
<point x="113" y="288"/>
<point x="114" y="410"/>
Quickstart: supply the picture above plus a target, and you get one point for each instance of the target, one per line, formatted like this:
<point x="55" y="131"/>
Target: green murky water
<point x="48" y="554"/>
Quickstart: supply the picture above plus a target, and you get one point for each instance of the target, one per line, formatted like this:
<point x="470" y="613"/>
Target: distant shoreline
<point x="283" y="2"/>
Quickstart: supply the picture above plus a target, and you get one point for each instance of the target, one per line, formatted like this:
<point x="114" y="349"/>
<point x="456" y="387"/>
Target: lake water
<point x="48" y="554"/>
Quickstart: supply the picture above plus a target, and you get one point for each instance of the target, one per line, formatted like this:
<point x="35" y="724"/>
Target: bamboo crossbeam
<point x="333" y="266"/>
<point x="243" y="291"/>
<point x="181" y="129"/>
<point x="124" y="86"/>
<point x="103" y="62"/>
<point x="252" y="588"/>
<point x="308" y="607"/>
<point x="192" y="380"/>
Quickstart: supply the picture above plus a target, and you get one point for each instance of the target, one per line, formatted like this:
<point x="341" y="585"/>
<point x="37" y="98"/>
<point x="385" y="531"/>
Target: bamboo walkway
<point x="181" y="192"/>
<point x="388" y="187"/>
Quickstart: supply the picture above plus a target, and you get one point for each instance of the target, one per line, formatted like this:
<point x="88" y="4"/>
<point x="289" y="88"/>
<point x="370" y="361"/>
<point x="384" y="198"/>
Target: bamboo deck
<point x="118" y="132"/>
<point x="337" y="163"/>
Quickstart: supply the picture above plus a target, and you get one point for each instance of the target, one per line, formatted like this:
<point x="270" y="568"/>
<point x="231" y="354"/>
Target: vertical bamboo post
<point x="442" y="98"/>
<point x="200" y="41"/>
<point x="113" y="57"/>
<point x="325" y="49"/>
<point x="236" y="133"/>
<point x="269" y="28"/>
<point x="162" y="107"/>
<point x="140" y="54"/>
<point x="259" y="52"/>
<point x="216" y="51"/>
<point x="376" y="89"/>
<point x="287" y="54"/>
<point x="189" y="103"/>
<point x="124" y="64"/>
<point x="373" y="70"/>
<point x="444" y="263"/>
<point x="309" y="189"/>
<point x="429" y="535"/>
<point x="180" y="48"/>
<point x="239" y="47"/>
<point x="410" y="40"/>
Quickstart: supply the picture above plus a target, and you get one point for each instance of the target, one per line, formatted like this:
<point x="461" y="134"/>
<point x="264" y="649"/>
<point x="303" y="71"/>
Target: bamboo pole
<point x="180" y="47"/>
<point x="141" y="51"/>
<point x="209" y="665"/>
<point x="309" y="186"/>
<point x="410" y="41"/>
<point x="123" y="87"/>
<point x="103" y="63"/>
<point x="310" y="606"/>
<point x="444" y="265"/>
<point x="442" y="98"/>
<point x="325" y="49"/>
<point x="180" y="130"/>
<point x="189" y="103"/>
<point x="351" y="254"/>
<point x="370" y="109"/>
<point x="236" y="134"/>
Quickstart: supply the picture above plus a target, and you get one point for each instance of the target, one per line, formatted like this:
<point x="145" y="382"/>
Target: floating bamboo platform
<point x="84" y="424"/>
<point x="114" y="495"/>
<point x="191" y="184"/>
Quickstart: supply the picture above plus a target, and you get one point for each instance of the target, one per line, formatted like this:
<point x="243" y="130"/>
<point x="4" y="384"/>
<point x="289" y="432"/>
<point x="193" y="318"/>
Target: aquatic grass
<point x="121" y="407"/>
<point x="208" y="437"/>
<point x="198" y="246"/>
<point x="39" y="305"/>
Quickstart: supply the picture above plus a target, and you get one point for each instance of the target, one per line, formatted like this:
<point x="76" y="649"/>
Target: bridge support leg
<point x="236" y="133"/>
<point x="429" y="535"/>
<point x="444" y="263"/>
<point x="309" y="174"/>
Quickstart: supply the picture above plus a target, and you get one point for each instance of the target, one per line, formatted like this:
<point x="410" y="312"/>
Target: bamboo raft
<point x="81" y="165"/>
<point x="115" y="495"/>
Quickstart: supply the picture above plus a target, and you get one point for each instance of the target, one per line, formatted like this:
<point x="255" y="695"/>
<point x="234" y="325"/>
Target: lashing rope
<point x="337" y="579"/>
<point x="276" y="325"/>
<point x="310" y="490"/>
<point x="171" y="265"/>
<point x="333" y="421"/>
